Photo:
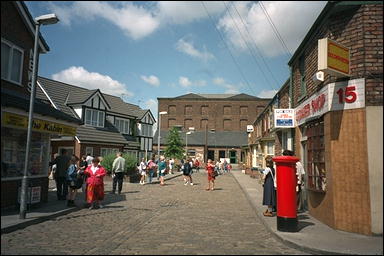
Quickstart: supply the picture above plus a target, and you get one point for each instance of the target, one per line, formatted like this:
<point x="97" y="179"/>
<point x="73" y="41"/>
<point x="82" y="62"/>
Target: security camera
<point x="318" y="77"/>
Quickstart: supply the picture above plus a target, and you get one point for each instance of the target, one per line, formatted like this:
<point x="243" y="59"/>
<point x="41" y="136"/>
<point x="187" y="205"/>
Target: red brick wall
<point x="215" y="113"/>
<point x="345" y="205"/>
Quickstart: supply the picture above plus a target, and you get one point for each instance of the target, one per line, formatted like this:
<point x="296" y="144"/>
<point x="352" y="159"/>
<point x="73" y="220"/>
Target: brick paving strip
<point x="150" y="219"/>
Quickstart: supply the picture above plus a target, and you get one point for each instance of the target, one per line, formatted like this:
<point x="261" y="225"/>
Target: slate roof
<point x="102" y="135"/>
<point x="16" y="100"/>
<point x="62" y="93"/>
<point x="193" y="96"/>
<point x="216" y="139"/>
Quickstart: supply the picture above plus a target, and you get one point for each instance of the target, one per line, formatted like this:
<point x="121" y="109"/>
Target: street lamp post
<point x="158" y="137"/>
<point x="186" y="143"/>
<point x="41" y="20"/>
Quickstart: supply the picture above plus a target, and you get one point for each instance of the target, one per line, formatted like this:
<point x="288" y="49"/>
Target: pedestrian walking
<point x="171" y="165"/>
<point x="210" y="168"/>
<point x="89" y="159"/>
<point x="187" y="172"/>
<point x="229" y="167"/>
<point x="162" y="168"/>
<point x="95" y="183"/>
<point x="72" y="180"/>
<point x="151" y="169"/>
<point x="300" y="172"/>
<point x="118" y="169"/>
<point x="82" y="166"/>
<point x="197" y="165"/>
<point x="269" y="192"/>
<point x="62" y="164"/>
<point x="142" y="171"/>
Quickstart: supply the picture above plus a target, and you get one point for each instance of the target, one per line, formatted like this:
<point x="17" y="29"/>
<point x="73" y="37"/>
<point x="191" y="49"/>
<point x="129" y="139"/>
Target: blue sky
<point x="144" y="50"/>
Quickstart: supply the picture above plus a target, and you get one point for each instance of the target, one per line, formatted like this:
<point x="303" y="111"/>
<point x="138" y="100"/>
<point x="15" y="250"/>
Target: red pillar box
<point x="286" y="193"/>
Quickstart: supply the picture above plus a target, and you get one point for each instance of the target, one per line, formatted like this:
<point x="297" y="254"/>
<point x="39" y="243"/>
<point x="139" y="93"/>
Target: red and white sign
<point x="332" y="97"/>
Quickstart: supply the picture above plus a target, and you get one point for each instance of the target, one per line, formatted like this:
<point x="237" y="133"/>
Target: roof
<point x="214" y="139"/>
<point x="13" y="99"/>
<point x="193" y="96"/>
<point x="102" y="135"/>
<point x="62" y="94"/>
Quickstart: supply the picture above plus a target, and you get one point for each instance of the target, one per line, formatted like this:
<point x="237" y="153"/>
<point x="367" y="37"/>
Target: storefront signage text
<point x="333" y="58"/>
<point x="37" y="125"/>
<point x="284" y="118"/>
<point x="335" y="96"/>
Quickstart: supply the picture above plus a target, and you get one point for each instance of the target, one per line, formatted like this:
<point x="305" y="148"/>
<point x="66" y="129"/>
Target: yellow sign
<point x="333" y="57"/>
<point x="37" y="125"/>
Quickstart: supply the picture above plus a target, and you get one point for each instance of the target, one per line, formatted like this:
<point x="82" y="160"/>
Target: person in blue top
<point x="162" y="168"/>
<point x="71" y="179"/>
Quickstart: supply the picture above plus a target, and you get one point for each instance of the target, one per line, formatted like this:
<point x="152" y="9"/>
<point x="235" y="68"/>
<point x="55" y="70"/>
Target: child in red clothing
<point x="210" y="169"/>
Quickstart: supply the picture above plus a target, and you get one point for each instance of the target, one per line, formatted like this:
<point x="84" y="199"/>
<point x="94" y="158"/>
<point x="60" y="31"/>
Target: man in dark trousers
<point x="62" y="164"/>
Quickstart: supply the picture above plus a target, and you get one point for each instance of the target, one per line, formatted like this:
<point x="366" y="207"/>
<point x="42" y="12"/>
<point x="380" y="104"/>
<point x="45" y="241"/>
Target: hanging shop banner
<point x="332" y="97"/>
<point x="38" y="125"/>
<point x="333" y="58"/>
<point x="284" y="118"/>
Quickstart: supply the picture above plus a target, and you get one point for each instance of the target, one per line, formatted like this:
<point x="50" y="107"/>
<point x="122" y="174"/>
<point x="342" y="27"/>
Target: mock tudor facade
<point x="110" y="124"/>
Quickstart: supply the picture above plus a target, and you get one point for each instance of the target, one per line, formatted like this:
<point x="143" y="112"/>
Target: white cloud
<point x="267" y="94"/>
<point x="291" y="18"/>
<point x="137" y="22"/>
<point x="230" y="88"/>
<point x="79" y="76"/>
<point x="152" y="80"/>
<point x="185" y="82"/>
<point x="189" y="49"/>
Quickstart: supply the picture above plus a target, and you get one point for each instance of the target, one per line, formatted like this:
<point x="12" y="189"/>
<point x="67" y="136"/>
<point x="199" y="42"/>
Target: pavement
<point x="313" y="236"/>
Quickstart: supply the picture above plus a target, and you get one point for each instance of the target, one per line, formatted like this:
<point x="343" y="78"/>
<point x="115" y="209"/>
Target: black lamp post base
<point x="287" y="224"/>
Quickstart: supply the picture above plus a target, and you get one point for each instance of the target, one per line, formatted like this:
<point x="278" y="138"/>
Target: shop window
<point x="13" y="145"/>
<point x="89" y="150"/>
<point x="315" y="157"/>
<point x="221" y="153"/>
<point x="11" y="62"/>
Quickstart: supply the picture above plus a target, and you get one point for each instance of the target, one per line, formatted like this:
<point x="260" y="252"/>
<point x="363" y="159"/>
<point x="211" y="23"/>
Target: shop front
<point x="332" y="145"/>
<point x="13" y="146"/>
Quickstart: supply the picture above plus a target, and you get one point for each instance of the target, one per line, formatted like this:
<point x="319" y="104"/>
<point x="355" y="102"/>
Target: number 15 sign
<point x="347" y="95"/>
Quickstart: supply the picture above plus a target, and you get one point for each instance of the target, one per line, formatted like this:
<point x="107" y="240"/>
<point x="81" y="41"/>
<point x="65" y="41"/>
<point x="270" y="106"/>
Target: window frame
<point x="118" y="119"/>
<point x="91" y="117"/>
<point x="10" y="61"/>
<point x="303" y="84"/>
<point x="316" y="157"/>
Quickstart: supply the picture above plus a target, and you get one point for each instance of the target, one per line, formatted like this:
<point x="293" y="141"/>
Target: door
<point x="232" y="157"/>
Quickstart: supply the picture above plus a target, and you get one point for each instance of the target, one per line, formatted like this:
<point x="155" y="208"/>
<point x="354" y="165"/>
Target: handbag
<point x="215" y="173"/>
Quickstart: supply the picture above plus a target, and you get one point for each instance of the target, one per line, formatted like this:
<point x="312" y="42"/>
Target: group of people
<point x="270" y="185"/>
<point x="88" y="174"/>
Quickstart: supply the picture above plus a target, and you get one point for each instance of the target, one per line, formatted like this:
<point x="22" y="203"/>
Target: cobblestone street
<point x="149" y="219"/>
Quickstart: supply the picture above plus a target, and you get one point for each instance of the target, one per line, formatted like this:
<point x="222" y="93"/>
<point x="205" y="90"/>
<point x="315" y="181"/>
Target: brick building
<point x="339" y="130"/>
<point x="266" y="139"/>
<point x="17" y="44"/>
<point x="216" y="118"/>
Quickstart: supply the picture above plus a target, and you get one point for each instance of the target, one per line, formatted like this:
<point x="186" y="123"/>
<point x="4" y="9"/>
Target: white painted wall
<point x="374" y="115"/>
